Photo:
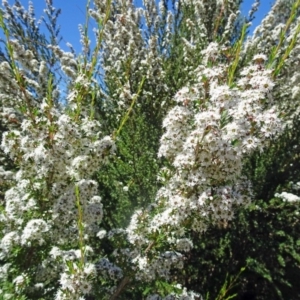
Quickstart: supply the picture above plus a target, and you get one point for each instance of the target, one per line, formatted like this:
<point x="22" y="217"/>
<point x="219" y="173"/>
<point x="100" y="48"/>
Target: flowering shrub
<point x="224" y="108"/>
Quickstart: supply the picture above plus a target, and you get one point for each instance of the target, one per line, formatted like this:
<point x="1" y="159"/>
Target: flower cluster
<point x="57" y="148"/>
<point x="209" y="131"/>
<point x="212" y="127"/>
<point x="278" y="34"/>
<point x="184" y="295"/>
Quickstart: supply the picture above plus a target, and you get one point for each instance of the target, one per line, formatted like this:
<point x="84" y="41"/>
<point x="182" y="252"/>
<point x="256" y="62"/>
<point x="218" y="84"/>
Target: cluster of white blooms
<point x="67" y="60"/>
<point x="268" y="31"/>
<point x="57" y="150"/>
<point x="184" y="245"/>
<point x="160" y="266"/>
<point x="201" y="29"/>
<point x="183" y="295"/>
<point x="288" y="197"/>
<point x="280" y="31"/>
<point x="138" y="40"/>
<point x="75" y="282"/>
<point x="55" y="154"/>
<point x="34" y="231"/>
<point x="213" y="126"/>
<point x="130" y="51"/>
<point x="207" y="134"/>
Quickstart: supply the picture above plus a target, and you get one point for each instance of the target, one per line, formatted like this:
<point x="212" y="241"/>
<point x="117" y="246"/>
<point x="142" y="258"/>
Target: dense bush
<point x="161" y="164"/>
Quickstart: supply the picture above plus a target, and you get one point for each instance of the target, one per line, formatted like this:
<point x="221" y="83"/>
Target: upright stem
<point x="80" y="225"/>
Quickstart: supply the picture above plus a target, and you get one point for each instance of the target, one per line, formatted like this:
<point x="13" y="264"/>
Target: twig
<point x="119" y="289"/>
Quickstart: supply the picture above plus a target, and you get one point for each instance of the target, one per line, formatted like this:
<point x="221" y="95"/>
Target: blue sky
<point x="73" y="14"/>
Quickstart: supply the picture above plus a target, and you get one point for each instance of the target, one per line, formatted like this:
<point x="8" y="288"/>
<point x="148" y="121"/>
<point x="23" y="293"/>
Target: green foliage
<point x="276" y="169"/>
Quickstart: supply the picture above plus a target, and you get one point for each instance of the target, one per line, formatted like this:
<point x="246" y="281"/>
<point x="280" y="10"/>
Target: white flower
<point x="288" y="197"/>
<point x="141" y="262"/>
<point x="55" y="252"/>
<point x="184" y="245"/>
<point x="260" y="58"/>
<point x="67" y="282"/>
<point x="34" y="230"/>
<point x="4" y="270"/>
<point x="101" y="234"/>
<point x="89" y="269"/>
<point x="19" y="280"/>
<point x="9" y="240"/>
